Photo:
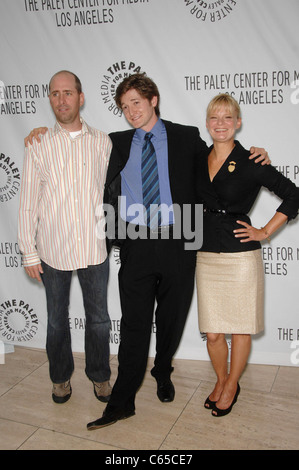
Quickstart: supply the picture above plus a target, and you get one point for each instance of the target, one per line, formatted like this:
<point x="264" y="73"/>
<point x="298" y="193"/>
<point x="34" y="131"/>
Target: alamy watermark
<point x="295" y="354"/>
<point x="187" y="226"/>
<point x="295" y="93"/>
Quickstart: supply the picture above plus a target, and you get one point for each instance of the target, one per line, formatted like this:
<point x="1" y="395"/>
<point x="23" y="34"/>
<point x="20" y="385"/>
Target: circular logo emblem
<point x="115" y="74"/>
<point x="18" y="322"/>
<point x="10" y="178"/>
<point x="210" y="10"/>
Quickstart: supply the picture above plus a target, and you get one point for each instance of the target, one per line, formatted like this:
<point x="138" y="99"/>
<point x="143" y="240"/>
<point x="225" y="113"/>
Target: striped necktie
<point x="150" y="183"/>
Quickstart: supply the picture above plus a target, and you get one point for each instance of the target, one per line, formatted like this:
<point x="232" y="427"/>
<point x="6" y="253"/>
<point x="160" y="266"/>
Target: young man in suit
<point x="156" y="268"/>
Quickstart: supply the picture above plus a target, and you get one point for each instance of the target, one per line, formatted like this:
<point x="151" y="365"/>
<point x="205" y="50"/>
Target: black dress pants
<point x="155" y="274"/>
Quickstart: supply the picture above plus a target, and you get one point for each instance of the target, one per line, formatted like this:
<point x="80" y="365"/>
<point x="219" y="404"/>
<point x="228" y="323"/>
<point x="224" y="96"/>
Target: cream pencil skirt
<point x="230" y="292"/>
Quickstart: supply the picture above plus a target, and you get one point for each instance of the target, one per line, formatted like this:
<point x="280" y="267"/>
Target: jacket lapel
<point x="172" y="144"/>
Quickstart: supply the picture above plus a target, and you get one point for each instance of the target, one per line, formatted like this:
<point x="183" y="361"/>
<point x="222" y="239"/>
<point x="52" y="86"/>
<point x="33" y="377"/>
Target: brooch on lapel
<point x="231" y="166"/>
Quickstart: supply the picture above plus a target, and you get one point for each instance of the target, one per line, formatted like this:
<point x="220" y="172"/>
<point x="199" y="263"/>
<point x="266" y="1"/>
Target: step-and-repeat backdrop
<point x="193" y="49"/>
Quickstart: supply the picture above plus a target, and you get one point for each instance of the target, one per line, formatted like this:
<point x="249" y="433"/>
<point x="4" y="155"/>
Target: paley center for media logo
<point x="10" y="178"/>
<point x="113" y="76"/>
<point x="18" y="322"/>
<point x="210" y="10"/>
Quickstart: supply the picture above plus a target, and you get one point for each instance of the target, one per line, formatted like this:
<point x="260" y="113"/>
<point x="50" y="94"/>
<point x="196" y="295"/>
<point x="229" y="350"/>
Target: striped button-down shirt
<point x="61" y="215"/>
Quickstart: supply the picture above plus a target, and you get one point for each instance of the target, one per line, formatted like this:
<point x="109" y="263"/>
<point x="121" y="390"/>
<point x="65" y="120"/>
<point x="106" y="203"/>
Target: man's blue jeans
<point x="93" y="281"/>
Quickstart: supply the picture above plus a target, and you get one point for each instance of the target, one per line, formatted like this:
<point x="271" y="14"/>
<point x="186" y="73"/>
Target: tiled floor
<point x="266" y="415"/>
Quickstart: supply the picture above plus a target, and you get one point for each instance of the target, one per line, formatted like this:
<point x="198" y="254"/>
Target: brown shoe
<point x="102" y="390"/>
<point x="61" y="392"/>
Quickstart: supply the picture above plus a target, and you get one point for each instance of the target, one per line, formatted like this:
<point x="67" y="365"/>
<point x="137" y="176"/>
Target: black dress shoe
<point x="165" y="390"/>
<point x="108" y="418"/>
<point x="219" y="412"/>
<point x="209" y="404"/>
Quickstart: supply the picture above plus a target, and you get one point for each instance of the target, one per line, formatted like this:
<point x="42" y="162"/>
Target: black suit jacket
<point x="234" y="190"/>
<point x="185" y="148"/>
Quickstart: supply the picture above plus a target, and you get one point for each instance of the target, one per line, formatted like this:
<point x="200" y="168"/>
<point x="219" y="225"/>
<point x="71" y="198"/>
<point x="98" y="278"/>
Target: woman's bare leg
<point x="240" y="349"/>
<point x="218" y="352"/>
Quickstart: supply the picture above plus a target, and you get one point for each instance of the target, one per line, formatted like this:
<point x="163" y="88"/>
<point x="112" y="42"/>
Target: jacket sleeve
<point x="283" y="187"/>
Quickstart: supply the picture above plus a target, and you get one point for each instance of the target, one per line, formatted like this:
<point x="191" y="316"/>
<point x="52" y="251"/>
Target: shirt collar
<point x="156" y="130"/>
<point x="58" y="127"/>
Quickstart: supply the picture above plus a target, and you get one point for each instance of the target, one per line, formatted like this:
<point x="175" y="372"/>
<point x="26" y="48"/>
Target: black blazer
<point x="234" y="190"/>
<point x="185" y="148"/>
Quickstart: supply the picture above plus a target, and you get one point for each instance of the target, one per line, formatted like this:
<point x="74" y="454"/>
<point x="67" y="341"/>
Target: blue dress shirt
<point x="131" y="184"/>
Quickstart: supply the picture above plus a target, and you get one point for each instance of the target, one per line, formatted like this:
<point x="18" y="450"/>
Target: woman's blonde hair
<point x="226" y="100"/>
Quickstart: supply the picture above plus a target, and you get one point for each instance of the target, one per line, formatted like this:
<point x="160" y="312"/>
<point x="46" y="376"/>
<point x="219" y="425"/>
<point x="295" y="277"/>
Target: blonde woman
<point x="230" y="280"/>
